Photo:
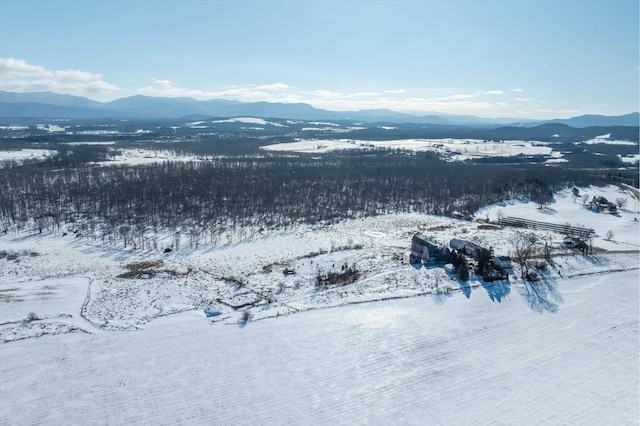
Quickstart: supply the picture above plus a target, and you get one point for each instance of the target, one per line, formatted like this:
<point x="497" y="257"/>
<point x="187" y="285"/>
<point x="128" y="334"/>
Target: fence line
<point x="544" y="226"/>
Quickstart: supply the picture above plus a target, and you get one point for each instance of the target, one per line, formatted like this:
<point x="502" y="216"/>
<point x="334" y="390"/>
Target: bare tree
<point x="576" y="193"/>
<point x="543" y="198"/>
<point x="610" y="235"/>
<point x="621" y="202"/>
<point x="176" y="240"/>
<point x="585" y="198"/>
<point x="524" y="248"/>
<point x="125" y="230"/>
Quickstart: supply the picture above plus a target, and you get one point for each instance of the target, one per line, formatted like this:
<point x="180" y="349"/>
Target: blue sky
<point x="536" y="59"/>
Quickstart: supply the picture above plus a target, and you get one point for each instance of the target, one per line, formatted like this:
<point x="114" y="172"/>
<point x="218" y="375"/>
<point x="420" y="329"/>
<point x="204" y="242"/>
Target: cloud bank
<point x="16" y="75"/>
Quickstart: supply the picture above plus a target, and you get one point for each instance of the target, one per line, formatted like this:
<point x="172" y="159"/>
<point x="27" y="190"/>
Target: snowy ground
<point x="97" y="334"/>
<point x="567" y="209"/>
<point x="139" y="156"/>
<point x="448" y="360"/>
<point x="25" y="154"/>
<point x="455" y="149"/>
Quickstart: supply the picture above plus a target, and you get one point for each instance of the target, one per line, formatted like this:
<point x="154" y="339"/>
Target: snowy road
<point x="556" y="354"/>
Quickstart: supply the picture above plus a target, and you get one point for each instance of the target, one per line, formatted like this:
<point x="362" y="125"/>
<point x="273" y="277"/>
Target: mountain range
<point x="53" y="105"/>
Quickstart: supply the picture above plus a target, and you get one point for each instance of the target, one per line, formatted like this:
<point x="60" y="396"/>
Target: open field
<point x="449" y="359"/>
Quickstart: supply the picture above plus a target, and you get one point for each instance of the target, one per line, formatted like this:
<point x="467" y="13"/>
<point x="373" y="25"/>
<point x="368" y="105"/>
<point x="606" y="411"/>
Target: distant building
<point x="602" y="204"/>
<point x="572" y="242"/>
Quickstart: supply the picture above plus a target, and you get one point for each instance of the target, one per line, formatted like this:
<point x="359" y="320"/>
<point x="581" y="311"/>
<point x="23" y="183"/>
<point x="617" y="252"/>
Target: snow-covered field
<point x="450" y="360"/>
<point x="566" y="208"/>
<point x="96" y="334"/>
<point x="455" y="149"/>
<point x="25" y="154"/>
<point x="250" y="120"/>
<point x="139" y="156"/>
<point x="632" y="159"/>
<point x="606" y="139"/>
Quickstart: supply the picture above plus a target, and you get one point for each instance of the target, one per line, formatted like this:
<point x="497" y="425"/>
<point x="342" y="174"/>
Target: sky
<point x="507" y="58"/>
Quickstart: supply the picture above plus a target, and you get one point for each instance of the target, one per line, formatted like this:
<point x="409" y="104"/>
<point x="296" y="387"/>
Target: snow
<point x="139" y="156"/>
<point x="105" y="347"/>
<point x="555" y="160"/>
<point x="456" y="149"/>
<point x="51" y="128"/>
<point x="315" y="145"/>
<point x="91" y="143"/>
<point x="606" y="139"/>
<point x="99" y="132"/>
<point x="249" y="120"/>
<point x="14" y="127"/>
<point x="323" y="123"/>
<point x="398" y="362"/>
<point x="564" y="210"/>
<point x="24" y="154"/>
<point x="630" y="158"/>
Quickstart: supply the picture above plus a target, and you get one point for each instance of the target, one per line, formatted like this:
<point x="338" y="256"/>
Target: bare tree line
<point x="201" y="202"/>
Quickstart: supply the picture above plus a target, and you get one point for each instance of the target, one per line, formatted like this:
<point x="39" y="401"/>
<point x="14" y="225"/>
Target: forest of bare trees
<point x="209" y="201"/>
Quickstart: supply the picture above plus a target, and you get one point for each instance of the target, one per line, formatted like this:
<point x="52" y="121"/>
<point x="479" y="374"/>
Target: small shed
<point x="503" y="262"/>
<point x="450" y="268"/>
<point x="572" y="242"/>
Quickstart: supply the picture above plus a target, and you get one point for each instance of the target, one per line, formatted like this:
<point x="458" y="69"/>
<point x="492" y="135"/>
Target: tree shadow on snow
<point x="439" y="297"/>
<point x="548" y="211"/>
<point x="542" y="296"/>
<point x="497" y="290"/>
<point x="465" y="287"/>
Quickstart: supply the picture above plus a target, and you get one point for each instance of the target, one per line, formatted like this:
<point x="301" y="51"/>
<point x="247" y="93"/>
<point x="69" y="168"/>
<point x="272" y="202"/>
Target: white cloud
<point x="20" y="76"/>
<point x="274" y="86"/>
<point x="327" y="94"/>
<point x="455" y="97"/>
<point x="276" y="92"/>
<point x="394" y="99"/>
<point x="168" y="84"/>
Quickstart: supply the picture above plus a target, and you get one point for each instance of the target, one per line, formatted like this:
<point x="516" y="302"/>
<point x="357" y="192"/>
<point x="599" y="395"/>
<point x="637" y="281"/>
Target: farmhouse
<point x="423" y="250"/>
<point x="602" y="204"/>
<point x="467" y="247"/>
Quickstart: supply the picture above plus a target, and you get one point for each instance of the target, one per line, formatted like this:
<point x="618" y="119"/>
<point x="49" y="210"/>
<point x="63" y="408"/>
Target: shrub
<point x="541" y="266"/>
<point x="245" y="318"/>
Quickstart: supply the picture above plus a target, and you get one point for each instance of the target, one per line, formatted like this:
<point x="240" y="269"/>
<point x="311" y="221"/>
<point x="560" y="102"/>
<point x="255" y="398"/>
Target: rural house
<point x="423" y="250"/>
<point x="466" y="247"/>
<point x="602" y="204"/>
